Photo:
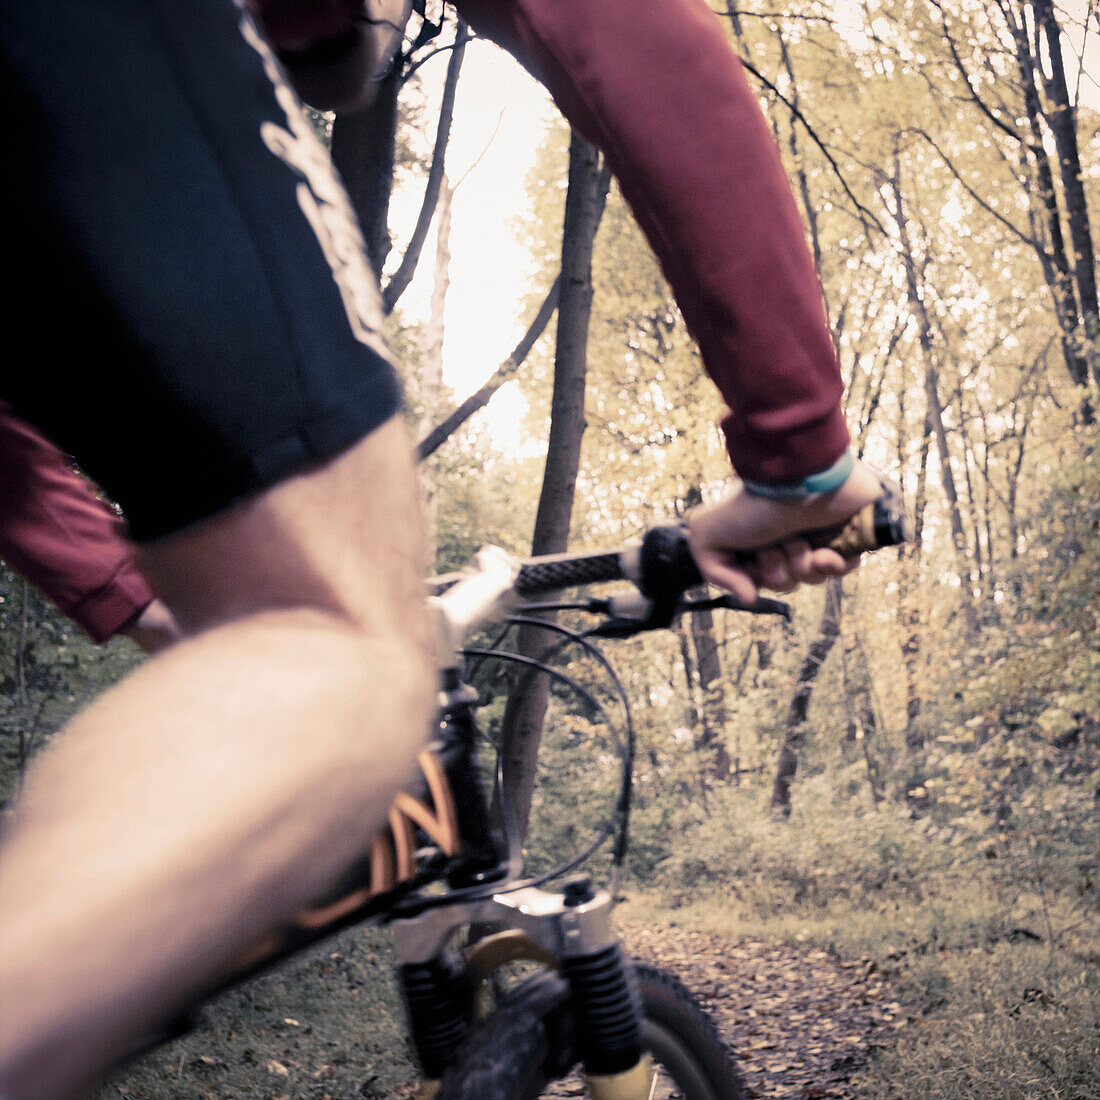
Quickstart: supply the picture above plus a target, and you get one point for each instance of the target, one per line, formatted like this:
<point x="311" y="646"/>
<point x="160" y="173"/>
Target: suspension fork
<point x="481" y="858"/>
<point x="571" y="931"/>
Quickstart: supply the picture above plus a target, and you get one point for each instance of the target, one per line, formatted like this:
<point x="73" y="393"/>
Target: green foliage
<point x="1019" y="753"/>
<point x="989" y="947"/>
<point x="48" y="670"/>
<point x="855" y="857"/>
<point x="480" y="502"/>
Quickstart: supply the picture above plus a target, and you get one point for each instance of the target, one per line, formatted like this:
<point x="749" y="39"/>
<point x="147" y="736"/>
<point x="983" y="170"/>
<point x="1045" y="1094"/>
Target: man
<point x="182" y="223"/>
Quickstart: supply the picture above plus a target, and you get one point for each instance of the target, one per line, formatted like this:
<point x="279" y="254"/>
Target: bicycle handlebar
<point x="554" y="572"/>
<point x="662" y="566"/>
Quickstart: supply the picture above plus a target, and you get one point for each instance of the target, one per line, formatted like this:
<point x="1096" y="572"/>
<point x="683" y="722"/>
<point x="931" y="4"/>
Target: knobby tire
<point x="528" y="1042"/>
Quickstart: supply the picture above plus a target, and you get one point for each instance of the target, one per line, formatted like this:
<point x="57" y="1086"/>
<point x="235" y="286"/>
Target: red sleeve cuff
<point x="109" y="610"/>
<point x="785" y="452"/>
<point x="57" y="532"/>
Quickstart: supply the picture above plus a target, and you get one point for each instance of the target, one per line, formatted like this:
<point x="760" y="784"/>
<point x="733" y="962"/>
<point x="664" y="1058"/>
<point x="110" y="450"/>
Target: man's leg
<point x="225" y="783"/>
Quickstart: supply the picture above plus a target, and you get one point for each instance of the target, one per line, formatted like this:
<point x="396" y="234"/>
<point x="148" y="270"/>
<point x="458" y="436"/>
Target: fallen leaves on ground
<point x="797" y="1021"/>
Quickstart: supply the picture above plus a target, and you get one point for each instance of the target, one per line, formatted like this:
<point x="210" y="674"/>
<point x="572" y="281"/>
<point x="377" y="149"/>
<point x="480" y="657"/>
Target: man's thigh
<point x="225" y="784"/>
<point x="343" y="537"/>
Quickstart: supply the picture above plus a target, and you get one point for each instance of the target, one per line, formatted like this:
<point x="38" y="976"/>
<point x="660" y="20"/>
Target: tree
<point x="364" y="150"/>
<point x="584" y="203"/>
<point x="799" y="709"/>
<point x="995" y="36"/>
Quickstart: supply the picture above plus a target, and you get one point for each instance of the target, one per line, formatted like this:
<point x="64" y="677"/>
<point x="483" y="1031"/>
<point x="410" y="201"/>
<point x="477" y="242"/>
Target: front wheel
<point x="526" y="1047"/>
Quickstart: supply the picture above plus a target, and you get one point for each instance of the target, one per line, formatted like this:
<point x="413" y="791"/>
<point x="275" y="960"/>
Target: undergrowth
<point x="327" y="1026"/>
<point x="990" y="939"/>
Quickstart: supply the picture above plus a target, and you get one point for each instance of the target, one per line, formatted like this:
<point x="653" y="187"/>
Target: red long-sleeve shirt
<point x="58" y="533"/>
<point x="657" y="88"/>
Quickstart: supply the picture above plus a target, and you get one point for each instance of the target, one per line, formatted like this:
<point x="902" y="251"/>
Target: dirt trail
<point x="800" y="1023"/>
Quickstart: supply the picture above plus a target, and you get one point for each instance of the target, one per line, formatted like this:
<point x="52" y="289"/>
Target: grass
<point x="1015" y="1020"/>
<point x="992" y="945"/>
<point x="328" y="1026"/>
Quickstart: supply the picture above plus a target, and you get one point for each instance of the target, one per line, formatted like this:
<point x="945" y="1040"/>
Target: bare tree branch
<point x="506" y="371"/>
<point x="866" y="216"/>
<point x="983" y="203"/>
<point x="975" y="98"/>
<point x="404" y="273"/>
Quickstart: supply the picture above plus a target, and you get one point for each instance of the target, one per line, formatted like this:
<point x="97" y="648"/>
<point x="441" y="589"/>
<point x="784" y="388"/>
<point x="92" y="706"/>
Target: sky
<point x="500" y="116"/>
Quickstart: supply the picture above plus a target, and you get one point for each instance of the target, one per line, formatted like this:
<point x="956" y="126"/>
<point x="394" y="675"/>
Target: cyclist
<point x="179" y="219"/>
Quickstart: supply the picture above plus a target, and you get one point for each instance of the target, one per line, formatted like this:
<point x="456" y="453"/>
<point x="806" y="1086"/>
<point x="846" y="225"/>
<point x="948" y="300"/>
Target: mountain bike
<point x="509" y="983"/>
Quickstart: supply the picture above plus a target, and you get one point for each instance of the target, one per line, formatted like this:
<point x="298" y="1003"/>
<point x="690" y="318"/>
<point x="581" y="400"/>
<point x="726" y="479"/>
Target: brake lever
<point x="761" y="606"/>
<point x="658" y="618"/>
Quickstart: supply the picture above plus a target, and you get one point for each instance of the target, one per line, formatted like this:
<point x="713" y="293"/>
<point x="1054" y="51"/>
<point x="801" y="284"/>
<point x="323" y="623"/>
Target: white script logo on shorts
<point x="324" y="202"/>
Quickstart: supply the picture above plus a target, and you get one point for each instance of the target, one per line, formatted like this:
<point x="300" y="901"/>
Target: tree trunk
<point x="909" y="602"/>
<point x="1062" y="119"/>
<point x="1037" y="177"/>
<point x="431" y="371"/>
<point x="981" y="554"/>
<point x="859" y="693"/>
<point x="935" y="409"/>
<point x="363" y="151"/>
<point x="696" y="708"/>
<point x="1053" y="259"/>
<point x="795" y="734"/>
<point x="407" y="268"/>
<point x="710" y="716"/>
<point x="434" y="439"/>
<point x="710" y="738"/>
<point x="526" y="707"/>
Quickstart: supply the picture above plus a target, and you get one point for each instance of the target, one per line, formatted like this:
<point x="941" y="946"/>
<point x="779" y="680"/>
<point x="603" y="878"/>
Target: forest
<point x="906" y="775"/>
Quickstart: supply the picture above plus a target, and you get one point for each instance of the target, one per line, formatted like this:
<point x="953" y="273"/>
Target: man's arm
<point x="658" y="89"/>
<point x="63" y="537"/>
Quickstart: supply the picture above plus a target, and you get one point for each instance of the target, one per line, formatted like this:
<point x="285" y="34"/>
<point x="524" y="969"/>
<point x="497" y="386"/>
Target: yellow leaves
<point x="1056" y="722"/>
<point x="760" y="1044"/>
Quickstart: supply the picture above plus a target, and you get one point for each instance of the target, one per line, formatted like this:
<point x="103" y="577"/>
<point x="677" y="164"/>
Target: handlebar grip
<point x="552" y="573"/>
<point x="881" y="523"/>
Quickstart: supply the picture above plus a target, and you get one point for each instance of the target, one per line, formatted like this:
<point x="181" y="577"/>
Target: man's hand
<point x="155" y="628"/>
<point x="743" y="521"/>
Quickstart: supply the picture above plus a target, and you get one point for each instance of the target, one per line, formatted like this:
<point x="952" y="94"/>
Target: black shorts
<point x="199" y="315"/>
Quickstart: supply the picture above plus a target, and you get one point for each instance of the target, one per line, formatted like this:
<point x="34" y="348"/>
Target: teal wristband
<point x="824" y="482"/>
